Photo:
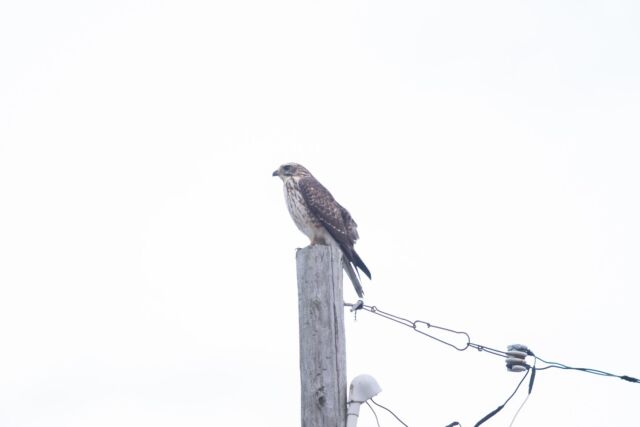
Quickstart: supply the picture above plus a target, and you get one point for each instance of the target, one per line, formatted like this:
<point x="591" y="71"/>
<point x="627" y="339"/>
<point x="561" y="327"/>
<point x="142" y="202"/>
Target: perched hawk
<point x="321" y="218"/>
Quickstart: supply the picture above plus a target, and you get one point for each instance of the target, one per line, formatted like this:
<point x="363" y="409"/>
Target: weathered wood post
<point x="322" y="343"/>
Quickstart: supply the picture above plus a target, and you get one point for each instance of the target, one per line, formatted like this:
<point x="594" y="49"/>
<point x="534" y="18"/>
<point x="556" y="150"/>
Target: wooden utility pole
<point x="322" y="344"/>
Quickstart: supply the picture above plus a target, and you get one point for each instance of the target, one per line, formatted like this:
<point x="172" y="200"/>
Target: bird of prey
<point x="317" y="214"/>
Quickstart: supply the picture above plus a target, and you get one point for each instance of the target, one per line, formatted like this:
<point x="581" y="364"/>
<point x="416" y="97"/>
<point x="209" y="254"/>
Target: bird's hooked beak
<point x="276" y="172"/>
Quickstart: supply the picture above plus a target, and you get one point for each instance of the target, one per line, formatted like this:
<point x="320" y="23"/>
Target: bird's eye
<point x="286" y="168"/>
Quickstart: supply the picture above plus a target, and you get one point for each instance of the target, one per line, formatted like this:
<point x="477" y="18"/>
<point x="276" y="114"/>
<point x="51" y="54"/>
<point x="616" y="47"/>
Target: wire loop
<point x="447" y="335"/>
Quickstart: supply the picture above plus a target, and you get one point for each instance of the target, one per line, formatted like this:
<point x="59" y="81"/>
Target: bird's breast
<point x="299" y="211"/>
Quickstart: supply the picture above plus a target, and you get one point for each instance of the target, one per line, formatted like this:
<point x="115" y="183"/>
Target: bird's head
<point x="292" y="170"/>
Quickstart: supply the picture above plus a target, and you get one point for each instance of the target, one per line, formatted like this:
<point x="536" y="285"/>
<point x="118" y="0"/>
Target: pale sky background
<point x="489" y="152"/>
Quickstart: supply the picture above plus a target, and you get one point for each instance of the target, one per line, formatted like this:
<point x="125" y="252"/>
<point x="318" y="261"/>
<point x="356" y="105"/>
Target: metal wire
<point x="587" y="370"/>
<point x="464" y="340"/>
<point x="389" y="411"/>
<point x="466" y="343"/>
<point x="499" y="408"/>
<point x="374" y="413"/>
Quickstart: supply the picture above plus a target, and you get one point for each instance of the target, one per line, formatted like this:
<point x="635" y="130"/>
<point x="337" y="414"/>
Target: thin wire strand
<point x="389" y="411"/>
<point x="587" y="370"/>
<point x="488" y="350"/>
<point x="517" y="388"/>
<point x="499" y="408"/>
<point x="518" y="411"/>
<point x="533" y="376"/>
<point x="374" y="413"/>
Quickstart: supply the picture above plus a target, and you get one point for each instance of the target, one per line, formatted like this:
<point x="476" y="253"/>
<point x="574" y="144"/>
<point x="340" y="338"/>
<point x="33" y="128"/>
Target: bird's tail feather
<point x="357" y="261"/>
<point x="353" y="276"/>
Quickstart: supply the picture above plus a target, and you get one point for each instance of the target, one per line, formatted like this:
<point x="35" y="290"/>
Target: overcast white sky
<point x="489" y="152"/>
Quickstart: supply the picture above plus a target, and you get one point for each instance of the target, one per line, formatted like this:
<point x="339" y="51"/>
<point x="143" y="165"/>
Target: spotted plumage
<point x="321" y="218"/>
